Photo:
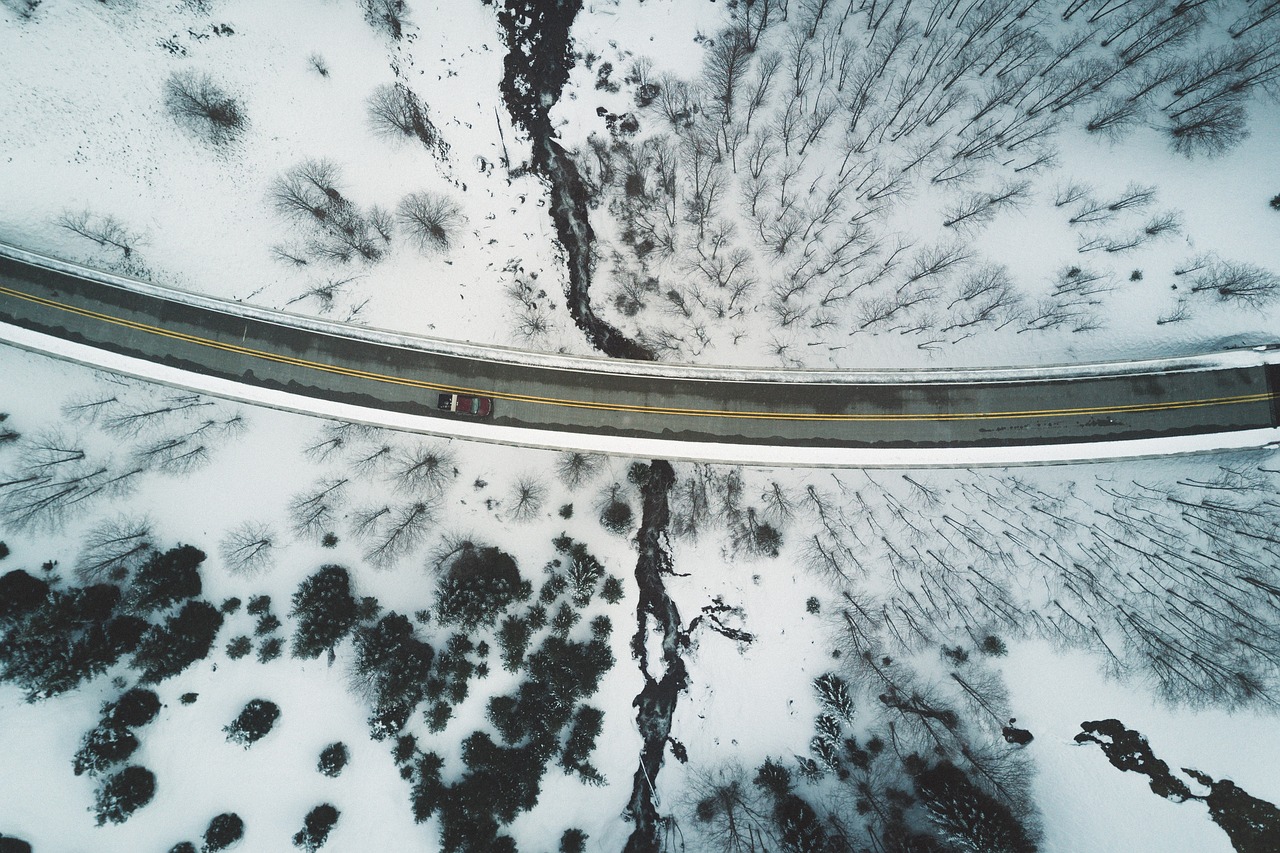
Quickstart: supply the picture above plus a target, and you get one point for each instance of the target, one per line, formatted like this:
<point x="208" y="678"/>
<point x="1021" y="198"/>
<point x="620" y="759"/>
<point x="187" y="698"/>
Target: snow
<point x="1088" y="805"/>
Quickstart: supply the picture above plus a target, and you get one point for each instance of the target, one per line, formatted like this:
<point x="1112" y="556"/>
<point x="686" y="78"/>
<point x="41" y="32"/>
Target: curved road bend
<point x="313" y="359"/>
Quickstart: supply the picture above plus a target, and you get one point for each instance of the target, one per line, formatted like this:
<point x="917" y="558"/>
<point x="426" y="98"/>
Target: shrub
<point x="231" y="605"/>
<point x="258" y="605"/>
<point x="270" y="649"/>
<point x="573" y="841"/>
<point x="994" y="646"/>
<point x="253" y="723"/>
<point x="1275" y="205"/>
<point x="480" y="584"/>
<point x="566" y="511"/>
<point x="20" y="593"/>
<point x="103" y="746"/>
<point x="513" y="639"/>
<point x="332" y="759"/>
<point x="134" y="708"/>
<point x="616" y="515"/>
<point x="239" y="647"/>
<point x="316" y="827"/>
<point x="812" y="605"/>
<point x="432" y="220"/>
<point x="166" y="578"/>
<point x="184" y="639"/>
<point x="392" y="665"/>
<point x="564" y="619"/>
<point x="224" y="830"/>
<point x="124" y="793"/>
<point x="183" y="847"/>
<point x="198" y="102"/>
<point x="612" y="590"/>
<point x="325" y="611"/>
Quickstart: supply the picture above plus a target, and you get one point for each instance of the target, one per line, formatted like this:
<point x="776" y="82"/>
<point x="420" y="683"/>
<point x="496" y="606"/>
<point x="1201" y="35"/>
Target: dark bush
<point x="616" y="516"/>
<point x="316" y="827"/>
<point x="183" y="847"/>
<point x="967" y="814"/>
<point x="134" y="708"/>
<point x="480" y="584"/>
<point x="238" y="647"/>
<point x="406" y="747"/>
<point x="513" y="639"/>
<point x="573" y="841"/>
<point x="4" y="550"/>
<point x="994" y="646"/>
<point x="124" y="793"/>
<point x="255" y="720"/>
<point x="270" y="649"/>
<point x="103" y="746"/>
<point x="224" y="830"/>
<point x="231" y="605"/>
<point x="258" y="605"/>
<point x="166" y="578"/>
<point x="612" y="590"/>
<point x="333" y="758"/>
<point x="325" y="611"/>
<point x="1275" y="205"/>
<point x="393" y="665"/>
<point x="20" y="593"/>
<point x="184" y="639"/>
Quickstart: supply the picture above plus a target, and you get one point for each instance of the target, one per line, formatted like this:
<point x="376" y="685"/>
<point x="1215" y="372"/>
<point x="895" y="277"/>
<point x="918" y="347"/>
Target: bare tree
<point x="105" y="230"/>
<point x="389" y="16"/>
<point x="249" y="549"/>
<point x="195" y="100"/>
<point x="340" y="231"/>
<point x="422" y="468"/>
<point x="395" y="531"/>
<point x="114" y="549"/>
<point x="396" y="111"/>
<point x="1236" y="282"/>
<point x="315" y="512"/>
<point x="726" y="810"/>
<point x="431" y="219"/>
<point x="1210" y="130"/>
<point x="528" y="495"/>
<point x="575" y="468"/>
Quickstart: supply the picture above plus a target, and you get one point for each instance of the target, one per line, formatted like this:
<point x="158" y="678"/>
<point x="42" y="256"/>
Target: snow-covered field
<point x="940" y="602"/>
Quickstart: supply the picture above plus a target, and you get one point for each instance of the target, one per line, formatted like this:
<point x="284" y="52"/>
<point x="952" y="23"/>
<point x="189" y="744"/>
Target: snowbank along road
<point x="381" y="370"/>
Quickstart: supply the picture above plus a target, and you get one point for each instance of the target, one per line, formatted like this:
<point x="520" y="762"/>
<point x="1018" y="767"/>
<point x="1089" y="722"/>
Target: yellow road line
<point x="1122" y="408"/>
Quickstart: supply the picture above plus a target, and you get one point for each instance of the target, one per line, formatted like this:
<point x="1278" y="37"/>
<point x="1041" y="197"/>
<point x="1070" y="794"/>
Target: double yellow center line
<point x="240" y="349"/>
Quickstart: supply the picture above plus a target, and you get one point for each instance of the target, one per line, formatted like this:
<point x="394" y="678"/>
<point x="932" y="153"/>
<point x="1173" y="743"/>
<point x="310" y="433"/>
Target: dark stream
<point x="535" y="69"/>
<point x="656" y="702"/>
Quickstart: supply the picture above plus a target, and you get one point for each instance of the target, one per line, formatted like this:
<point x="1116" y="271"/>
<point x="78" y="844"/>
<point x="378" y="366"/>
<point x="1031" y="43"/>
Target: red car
<point x="465" y="404"/>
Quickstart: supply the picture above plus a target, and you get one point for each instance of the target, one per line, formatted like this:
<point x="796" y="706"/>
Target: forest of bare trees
<point x="771" y="182"/>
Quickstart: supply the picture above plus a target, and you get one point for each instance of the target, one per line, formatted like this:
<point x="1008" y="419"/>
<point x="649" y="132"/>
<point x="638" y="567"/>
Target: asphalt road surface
<point x="274" y="354"/>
